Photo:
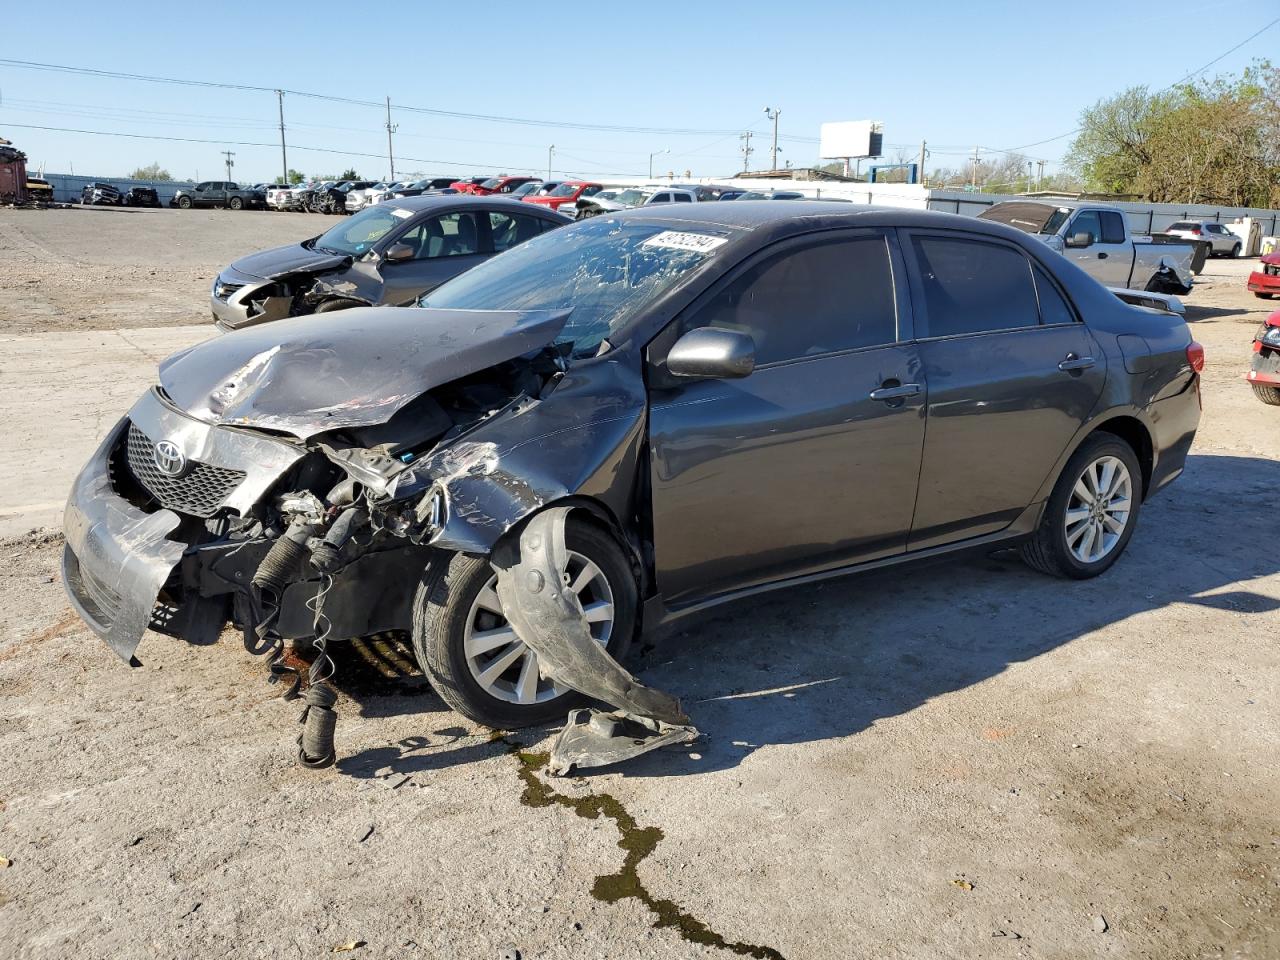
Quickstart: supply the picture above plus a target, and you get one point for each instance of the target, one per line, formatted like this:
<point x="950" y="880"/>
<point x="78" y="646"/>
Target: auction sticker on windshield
<point x="681" y="240"/>
<point x="402" y="214"/>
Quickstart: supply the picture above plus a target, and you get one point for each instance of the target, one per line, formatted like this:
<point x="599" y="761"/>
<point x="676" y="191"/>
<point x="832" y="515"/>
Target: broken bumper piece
<point x="547" y="616"/>
<point x="593" y="738"/>
<point x="116" y="558"/>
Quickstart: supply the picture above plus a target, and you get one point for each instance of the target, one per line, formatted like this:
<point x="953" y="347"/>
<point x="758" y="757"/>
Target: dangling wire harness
<point x="319" y="718"/>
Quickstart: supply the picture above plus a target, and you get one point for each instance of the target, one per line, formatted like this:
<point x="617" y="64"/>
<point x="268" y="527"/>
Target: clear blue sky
<point x="996" y="74"/>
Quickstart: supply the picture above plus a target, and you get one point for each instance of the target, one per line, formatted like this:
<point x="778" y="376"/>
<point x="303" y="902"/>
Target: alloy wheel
<point x="1098" y="509"/>
<point x="499" y="661"/>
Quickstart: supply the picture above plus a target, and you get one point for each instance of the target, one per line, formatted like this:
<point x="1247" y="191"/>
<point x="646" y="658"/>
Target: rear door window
<point x="508" y="229"/>
<point x="830" y="296"/>
<point x="1053" y="306"/>
<point x="971" y="286"/>
<point x="1112" y="226"/>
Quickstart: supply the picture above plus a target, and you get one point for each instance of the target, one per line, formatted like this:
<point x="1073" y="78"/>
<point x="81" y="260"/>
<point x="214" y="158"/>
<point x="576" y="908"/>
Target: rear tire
<point x="1267" y="394"/>
<point x="1056" y="546"/>
<point x="235" y="203"/>
<point x="445" y="604"/>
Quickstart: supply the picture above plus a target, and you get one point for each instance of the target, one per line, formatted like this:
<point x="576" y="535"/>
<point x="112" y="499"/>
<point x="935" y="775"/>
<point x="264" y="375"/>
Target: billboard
<point x="851" y="138"/>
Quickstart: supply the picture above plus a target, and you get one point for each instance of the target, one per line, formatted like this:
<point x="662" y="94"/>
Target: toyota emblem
<point x="168" y="459"/>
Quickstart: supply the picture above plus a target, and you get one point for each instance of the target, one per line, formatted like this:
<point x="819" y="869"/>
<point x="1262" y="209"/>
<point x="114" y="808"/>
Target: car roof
<point x="446" y="202"/>
<point x="817" y="214"/>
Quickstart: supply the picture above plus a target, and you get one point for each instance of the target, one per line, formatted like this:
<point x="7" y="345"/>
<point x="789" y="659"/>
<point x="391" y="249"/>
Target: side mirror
<point x="398" y="252"/>
<point x="713" y="353"/>
<point x="1081" y="239"/>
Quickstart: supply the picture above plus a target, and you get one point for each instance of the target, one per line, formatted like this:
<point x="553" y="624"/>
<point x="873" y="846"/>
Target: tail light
<point x="1196" y="231"/>
<point x="1195" y="356"/>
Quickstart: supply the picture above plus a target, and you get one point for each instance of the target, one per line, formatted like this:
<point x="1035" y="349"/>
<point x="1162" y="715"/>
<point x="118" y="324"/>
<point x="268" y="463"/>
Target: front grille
<point x="200" y="492"/>
<point x="224" y="291"/>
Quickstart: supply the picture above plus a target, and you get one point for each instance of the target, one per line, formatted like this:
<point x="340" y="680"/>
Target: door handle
<point x="896" y="393"/>
<point x="1102" y="256"/>
<point x="1072" y="362"/>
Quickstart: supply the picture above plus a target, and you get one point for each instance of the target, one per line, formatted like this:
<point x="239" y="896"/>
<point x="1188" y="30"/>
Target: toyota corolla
<point x="709" y="401"/>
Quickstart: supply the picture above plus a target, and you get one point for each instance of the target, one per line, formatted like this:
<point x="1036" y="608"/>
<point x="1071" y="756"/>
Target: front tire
<point x="184" y="203"/>
<point x="235" y="203"/>
<point x="1092" y="512"/>
<point x="473" y="658"/>
<point x="1235" y="251"/>
<point x="1267" y="394"/>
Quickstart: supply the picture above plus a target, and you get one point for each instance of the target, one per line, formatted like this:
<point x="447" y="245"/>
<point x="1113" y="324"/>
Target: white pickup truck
<point x="1097" y="239"/>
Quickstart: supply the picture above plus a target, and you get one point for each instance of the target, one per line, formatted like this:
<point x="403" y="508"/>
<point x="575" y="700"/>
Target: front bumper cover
<point x="1260" y="282"/>
<point x="117" y="558"/>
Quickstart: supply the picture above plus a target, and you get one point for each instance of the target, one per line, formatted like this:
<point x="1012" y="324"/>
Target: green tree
<point x="1212" y="141"/>
<point x="296" y="176"/>
<point x="349" y="174"/>
<point x="151" y="172"/>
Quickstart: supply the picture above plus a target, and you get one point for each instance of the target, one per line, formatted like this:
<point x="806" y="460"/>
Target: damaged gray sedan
<point x="390" y="253"/>
<point x="624" y="421"/>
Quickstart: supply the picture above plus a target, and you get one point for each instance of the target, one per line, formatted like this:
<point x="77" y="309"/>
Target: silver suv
<point x="1223" y="241"/>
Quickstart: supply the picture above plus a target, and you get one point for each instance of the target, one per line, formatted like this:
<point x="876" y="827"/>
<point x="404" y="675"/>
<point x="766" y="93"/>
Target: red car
<point x="1264" y="372"/>
<point x="499" y="185"/>
<point x="566" y="194"/>
<point x="467" y="185"/>
<point x="1265" y="283"/>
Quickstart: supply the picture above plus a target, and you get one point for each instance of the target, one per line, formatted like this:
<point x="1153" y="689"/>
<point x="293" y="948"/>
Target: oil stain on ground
<point x="637" y="842"/>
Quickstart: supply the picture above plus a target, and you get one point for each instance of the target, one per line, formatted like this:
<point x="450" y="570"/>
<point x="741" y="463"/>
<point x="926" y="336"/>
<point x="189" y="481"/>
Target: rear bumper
<point x="117" y="558"/>
<point x="1264" y="282"/>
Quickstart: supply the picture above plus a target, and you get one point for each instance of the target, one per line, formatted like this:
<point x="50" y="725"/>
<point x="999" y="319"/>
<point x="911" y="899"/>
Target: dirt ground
<point x="99" y="268"/>
<point x="963" y="760"/>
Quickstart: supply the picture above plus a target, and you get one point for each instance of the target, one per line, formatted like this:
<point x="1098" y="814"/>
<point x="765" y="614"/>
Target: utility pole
<point x="230" y="163"/>
<point x="284" y="159"/>
<point x="550" y="150"/>
<point x="1030" y="175"/>
<point x="773" y="113"/>
<point x="391" y="128"/>
<point x="923" y="154"/>
<point x="974" y="176"/>
<point x="747" y="150"/>
<point x="655" y="154"/>
<point x="1039" y="174"/>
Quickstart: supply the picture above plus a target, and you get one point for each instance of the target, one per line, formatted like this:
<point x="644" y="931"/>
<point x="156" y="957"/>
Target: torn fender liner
<point x="593" y="738"/>
<point x="117" y="557"/>
<point x="351" y="368"/>
<point x="548" y="617"/>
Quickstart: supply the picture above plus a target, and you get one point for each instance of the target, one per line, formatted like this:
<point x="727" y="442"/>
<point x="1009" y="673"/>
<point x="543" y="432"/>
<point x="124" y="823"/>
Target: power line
<point x="431" y="111"/>
<point x="1193" y="73"/>
<point x="292" y="146"/>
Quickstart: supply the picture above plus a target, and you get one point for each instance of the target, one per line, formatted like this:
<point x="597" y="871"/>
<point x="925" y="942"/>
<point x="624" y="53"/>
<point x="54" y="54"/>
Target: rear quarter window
<point x="972" y="286"/>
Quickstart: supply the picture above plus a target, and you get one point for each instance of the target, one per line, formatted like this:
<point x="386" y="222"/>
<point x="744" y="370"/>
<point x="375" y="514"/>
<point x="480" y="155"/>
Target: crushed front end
<point x="261" y="470"/>
<point x="171" y="519"/>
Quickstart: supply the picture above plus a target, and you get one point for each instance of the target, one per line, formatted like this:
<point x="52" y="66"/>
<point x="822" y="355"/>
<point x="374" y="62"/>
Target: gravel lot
<point x="959" y="760"/>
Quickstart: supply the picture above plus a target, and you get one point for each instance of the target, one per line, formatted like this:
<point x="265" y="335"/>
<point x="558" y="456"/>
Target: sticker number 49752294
<point x="682" y="240"/>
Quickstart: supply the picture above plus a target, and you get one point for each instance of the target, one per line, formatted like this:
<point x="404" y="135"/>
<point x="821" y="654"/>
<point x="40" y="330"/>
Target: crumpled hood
<point x="291" y="258"/>
<point x="349" y="368"/>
